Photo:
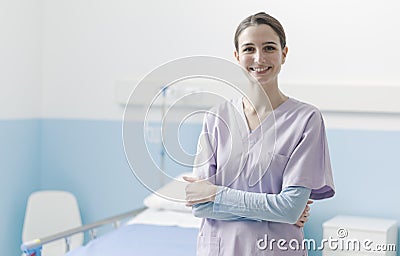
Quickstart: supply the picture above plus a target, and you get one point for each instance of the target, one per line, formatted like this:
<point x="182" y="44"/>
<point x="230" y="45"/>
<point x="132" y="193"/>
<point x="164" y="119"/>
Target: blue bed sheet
<point x="141" y="239"/>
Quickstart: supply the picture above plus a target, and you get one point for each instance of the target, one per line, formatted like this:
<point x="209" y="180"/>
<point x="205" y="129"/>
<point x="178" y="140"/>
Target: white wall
<point x="343" y="42"/>
<point x="68" y="55"/>
<point x="90" y="45"/>
<point x="20" y="59"/>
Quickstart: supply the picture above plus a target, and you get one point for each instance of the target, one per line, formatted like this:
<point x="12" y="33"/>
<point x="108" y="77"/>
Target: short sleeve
<point x="205" y="161"/>
<point x="309" y="164"/>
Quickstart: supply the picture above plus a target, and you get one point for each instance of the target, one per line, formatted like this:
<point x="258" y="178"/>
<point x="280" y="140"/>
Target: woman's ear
<point x="284" y="53"/>
<point x="236" y="54"/>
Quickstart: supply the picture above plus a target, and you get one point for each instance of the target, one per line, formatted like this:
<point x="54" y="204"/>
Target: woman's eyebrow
<point x="251" y="44"/>
<point x="270" y="42"/>
<point x="247" y="44"/>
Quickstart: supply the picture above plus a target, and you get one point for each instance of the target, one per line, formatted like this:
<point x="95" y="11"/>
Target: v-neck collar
<point x="273" y="113"/>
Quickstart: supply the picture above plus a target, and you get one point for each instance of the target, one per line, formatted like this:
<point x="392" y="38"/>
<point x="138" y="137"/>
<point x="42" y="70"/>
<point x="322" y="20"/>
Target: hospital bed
<point x="162" y="227"/>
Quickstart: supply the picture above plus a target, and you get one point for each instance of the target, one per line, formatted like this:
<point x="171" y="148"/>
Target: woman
<point x="243" y="215"/>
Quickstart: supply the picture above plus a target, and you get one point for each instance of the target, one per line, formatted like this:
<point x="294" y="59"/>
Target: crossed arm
<point x="222" y="203"/>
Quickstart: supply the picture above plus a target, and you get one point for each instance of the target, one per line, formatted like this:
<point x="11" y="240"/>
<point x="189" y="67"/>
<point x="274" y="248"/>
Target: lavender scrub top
<point x="289" y="148"/>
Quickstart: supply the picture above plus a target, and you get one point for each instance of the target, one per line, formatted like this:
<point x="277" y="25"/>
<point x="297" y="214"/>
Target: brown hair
<point x="258" y="19"/>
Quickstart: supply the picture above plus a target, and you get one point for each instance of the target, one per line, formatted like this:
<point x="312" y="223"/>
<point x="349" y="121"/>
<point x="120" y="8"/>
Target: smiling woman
<point x="260" y="47"/>
<point x="251" y="182"/>
<point x="261" y="54"/>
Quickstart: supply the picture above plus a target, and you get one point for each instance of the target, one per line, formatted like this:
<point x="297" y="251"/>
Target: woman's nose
<point x="258" y="57"/>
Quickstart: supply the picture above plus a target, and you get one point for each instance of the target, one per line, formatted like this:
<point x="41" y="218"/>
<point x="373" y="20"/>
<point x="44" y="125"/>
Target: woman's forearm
<point x="205" y="210"/>
<point x="286" y="206"/>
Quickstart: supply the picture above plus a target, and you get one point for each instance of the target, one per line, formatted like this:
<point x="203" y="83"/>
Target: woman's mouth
<point x="259" y="70"/>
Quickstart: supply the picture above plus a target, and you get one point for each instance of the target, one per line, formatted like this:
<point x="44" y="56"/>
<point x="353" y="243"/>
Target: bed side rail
<point x="34" y="247"/>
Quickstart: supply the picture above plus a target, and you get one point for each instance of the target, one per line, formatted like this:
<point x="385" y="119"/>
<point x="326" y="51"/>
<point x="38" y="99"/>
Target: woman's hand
<point x="304" y="216"/>
<point x="199" y="191"/>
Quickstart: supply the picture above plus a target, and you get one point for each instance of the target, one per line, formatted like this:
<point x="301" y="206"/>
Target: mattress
<point x="152" y="232"/>
<point x="142" y="239"/>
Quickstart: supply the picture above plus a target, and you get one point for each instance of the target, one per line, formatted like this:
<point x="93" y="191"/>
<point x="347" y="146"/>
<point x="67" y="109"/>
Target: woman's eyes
<point x="252" y="49"/>
<point x="248" y="49"/>
<point x="269" y="48"/>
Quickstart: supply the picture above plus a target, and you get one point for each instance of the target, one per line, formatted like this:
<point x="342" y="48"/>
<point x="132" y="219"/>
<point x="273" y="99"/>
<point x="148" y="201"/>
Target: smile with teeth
<point x="259" y="69"/>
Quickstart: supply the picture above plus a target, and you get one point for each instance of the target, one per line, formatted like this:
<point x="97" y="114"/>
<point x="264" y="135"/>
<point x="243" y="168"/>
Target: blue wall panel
<point x="19" y="176"/>
<point x="87" y="159"/>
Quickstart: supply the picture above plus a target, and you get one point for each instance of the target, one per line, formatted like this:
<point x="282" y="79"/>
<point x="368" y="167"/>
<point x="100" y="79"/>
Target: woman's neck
<point x="264" y="101"/>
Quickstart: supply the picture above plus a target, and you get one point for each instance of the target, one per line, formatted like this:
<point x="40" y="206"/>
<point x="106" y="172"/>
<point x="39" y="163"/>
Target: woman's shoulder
<point x="303" y="109"/>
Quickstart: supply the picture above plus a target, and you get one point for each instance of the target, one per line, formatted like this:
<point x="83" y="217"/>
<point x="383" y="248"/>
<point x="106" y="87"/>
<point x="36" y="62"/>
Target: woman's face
<point x="260" y="53"/>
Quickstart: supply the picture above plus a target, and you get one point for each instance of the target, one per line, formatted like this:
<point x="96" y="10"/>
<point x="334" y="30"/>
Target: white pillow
<point x="175" y="190"/>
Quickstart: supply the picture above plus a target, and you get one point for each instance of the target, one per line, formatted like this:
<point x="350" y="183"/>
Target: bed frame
<point x="34" y="247"/>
